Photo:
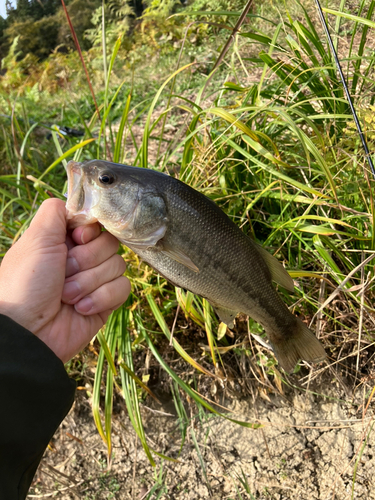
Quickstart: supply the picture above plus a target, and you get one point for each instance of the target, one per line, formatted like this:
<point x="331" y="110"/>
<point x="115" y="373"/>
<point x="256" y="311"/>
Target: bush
<point x="38" y="38"/>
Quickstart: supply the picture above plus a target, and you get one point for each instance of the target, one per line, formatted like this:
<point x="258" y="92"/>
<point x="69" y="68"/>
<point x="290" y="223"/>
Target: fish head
<point x="117" y="196"/>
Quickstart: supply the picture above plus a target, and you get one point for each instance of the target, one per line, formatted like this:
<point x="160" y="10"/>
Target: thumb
<point x="48" y="228"/>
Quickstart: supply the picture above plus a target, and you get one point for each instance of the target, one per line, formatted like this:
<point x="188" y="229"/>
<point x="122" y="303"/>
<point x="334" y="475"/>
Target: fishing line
<point x="348" y="96"/>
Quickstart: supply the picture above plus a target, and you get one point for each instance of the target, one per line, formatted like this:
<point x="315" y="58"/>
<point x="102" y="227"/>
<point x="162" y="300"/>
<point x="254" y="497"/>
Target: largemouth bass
<point x="192" y="243"/>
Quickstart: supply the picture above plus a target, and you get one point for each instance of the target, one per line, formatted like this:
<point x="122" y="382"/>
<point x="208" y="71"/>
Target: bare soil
<point x="314" y="444"/>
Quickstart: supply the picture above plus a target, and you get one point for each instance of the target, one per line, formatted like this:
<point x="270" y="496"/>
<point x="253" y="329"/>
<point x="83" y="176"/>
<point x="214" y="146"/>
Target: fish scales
<point x="189" y="240"/>
<point x="223" y="273"/>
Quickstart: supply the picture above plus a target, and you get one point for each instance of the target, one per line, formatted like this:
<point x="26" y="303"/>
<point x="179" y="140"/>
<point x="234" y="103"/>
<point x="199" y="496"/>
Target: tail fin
<point x="299" y="344"/>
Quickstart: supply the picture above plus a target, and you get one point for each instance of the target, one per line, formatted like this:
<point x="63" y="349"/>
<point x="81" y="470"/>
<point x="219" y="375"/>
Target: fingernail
<point x="82" y="234"/>
<point x="72" y="266"/>
<point x="85" y="305"/>
<point x="71" y="290"/>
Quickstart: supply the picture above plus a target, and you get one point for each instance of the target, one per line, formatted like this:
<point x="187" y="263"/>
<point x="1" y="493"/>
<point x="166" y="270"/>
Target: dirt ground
<point x="314" y="444"/>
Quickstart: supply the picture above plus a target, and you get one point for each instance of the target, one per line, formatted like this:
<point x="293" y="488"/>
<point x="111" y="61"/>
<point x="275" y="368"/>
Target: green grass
<point x="270" y="140"/>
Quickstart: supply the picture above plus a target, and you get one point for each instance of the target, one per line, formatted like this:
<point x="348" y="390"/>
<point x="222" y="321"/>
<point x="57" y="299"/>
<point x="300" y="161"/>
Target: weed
<point x="268" y="137"/>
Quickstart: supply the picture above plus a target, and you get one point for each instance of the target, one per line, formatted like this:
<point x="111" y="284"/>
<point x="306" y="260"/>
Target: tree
<point x="43" y="8"/>
<point x="38" y="38"/>
<point x="9" y="8"/>
<point x="80" y="12"/>
<point x="4" y="46"/>
<point x="23" y="10"/>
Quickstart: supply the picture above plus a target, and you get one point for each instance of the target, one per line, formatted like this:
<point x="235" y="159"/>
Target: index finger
<point x="83" y="234"/>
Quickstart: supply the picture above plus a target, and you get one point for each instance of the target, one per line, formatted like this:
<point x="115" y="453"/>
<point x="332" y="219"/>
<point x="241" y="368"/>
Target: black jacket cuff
<point x="35" y="396"/>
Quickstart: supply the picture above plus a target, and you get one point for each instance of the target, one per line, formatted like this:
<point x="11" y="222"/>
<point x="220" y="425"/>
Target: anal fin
<point x="227" y="316"/>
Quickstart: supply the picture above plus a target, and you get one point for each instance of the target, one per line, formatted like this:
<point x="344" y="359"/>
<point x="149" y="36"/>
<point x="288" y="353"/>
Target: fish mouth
<point x="82" y="197"/>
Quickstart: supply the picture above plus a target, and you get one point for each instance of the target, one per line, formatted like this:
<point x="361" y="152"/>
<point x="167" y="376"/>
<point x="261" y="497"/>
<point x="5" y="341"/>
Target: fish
<point x="191" y="242"/>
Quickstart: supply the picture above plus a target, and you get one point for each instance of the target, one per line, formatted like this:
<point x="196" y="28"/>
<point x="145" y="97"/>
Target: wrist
<point x="13" y="312"/>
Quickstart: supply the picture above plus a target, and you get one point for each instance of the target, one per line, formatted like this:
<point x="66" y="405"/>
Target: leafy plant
<point x="267" y="136"/>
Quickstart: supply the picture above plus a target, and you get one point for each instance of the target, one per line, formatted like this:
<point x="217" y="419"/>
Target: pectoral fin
<point x="227" y="316"/>
<point x="278" y="273"/>
<point x="179" y="256"/>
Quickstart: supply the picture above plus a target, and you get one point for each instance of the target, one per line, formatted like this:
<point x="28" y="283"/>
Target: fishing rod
<point x="348" y="96"/>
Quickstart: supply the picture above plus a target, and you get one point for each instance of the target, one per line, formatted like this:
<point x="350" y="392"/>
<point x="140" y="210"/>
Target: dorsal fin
<point x="278" y="273"/>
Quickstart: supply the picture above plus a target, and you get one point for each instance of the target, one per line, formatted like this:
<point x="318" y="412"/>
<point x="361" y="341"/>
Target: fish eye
<point x="106" y="178"/>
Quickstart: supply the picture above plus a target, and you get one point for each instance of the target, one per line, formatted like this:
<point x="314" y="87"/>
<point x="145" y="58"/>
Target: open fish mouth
<point x="76" y="194"/>
<point x="82" y="198"/>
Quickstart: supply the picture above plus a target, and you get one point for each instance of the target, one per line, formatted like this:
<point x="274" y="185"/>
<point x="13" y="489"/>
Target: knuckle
<point x="96" y="251"/>
<point x="85" y="255"/>
<point x="120" y="265"/>
<point x="52" y="202"/>
<point x="112" y="294"/>
<point x="91" y="232"/>
<point x="124" y="288"/>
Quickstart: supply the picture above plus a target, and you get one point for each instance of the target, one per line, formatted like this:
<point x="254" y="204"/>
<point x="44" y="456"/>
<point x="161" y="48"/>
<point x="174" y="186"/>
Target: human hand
<point x="62" y="287"/>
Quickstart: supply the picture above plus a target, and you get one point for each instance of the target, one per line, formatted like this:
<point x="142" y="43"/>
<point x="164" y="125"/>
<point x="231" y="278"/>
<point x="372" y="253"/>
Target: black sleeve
<point x="35" y="396"/>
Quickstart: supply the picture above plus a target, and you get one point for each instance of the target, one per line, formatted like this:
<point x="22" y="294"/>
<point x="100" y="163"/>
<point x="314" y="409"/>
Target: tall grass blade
<point x="146" y="133"/>
<point x="97" y="385"/>
<point x="348" y="96"/>
<point x="201" y="460"/>
<point x="105" y="116"/>
<point x="230" y="40"/>
<point x="275" y="173"/>
<point x="55" y="137"/>
<point x="362" y="44"/>
<point x="120" y="133"/>
<point x="128" y="385"/>
<point x="164" y="327"/>
<point x="138" y="381"/>
<point x="65" y="155"/>
<point x="207" y="321"/>
<point x="22" y="152"/>
<point x="186" y="388"/>
<point x="108" y="401"/>
<point x="183" y="419"/>
<point x="108" y="352"/>
<point x="76" y="42"/>
<point x="350" y="17"/>
<point x="104" y="50"/>
<point x="186" y="303"/>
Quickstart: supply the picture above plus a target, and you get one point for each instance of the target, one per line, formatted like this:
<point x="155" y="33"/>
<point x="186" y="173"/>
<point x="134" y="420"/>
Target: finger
<point x="108" y="296"/>
<point x="48" y="228"/>
<point x="69" y="241"/>
<point x="92" y="254"/>
<point x="44" y="238"/>
<point x="84" y="283"/>
<point x="83" y="234"/>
